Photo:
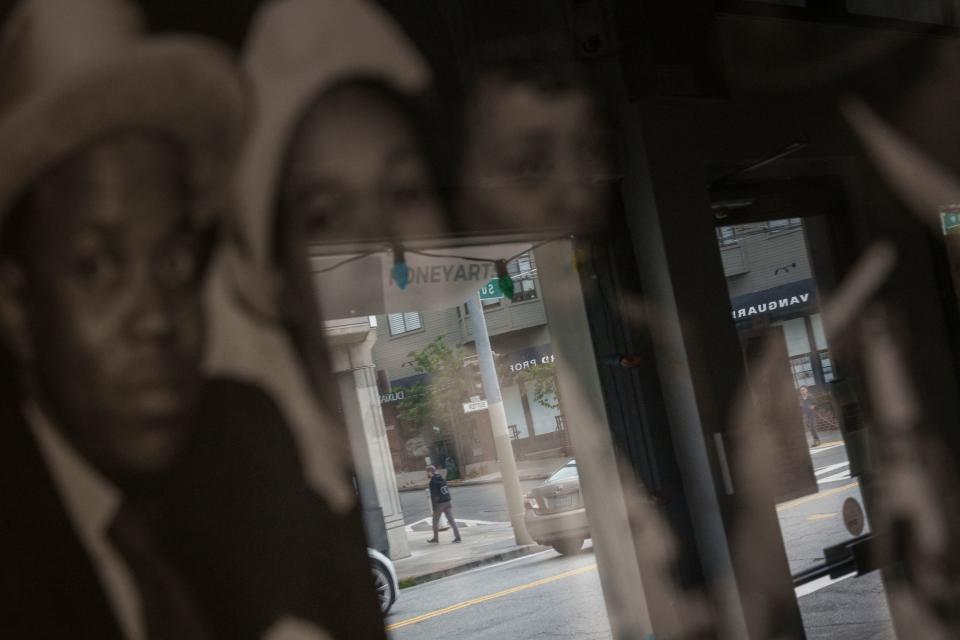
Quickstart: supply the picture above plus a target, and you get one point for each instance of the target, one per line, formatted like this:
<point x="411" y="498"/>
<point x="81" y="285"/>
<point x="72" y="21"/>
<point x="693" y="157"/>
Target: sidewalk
<point x="527" y="470"/>
<point x="483" y="543"/>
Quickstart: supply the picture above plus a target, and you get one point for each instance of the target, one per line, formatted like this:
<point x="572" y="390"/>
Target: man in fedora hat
<point x="139" y="500"/>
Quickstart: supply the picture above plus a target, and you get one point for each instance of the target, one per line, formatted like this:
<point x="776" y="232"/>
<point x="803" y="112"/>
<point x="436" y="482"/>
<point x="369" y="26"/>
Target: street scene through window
<point x="567" y="319"/>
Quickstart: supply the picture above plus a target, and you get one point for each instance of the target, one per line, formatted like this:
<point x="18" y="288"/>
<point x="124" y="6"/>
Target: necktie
<point x="169" y="611"/>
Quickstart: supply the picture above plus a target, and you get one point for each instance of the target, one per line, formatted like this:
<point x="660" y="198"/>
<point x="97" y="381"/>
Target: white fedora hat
<point x="74" y="70"/>
<point x="295" y="50"/>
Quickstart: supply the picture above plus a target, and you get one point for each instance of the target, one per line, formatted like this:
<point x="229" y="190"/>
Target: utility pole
<point x="498" y="421"/>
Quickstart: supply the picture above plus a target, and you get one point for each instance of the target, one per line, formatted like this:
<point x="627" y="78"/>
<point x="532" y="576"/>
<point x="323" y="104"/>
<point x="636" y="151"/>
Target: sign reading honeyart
<point x="777" y="302"/>
<point x="349" y="286"/>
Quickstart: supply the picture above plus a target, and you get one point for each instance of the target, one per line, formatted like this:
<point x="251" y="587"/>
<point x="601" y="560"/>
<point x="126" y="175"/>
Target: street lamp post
<point x="498" y="421"/>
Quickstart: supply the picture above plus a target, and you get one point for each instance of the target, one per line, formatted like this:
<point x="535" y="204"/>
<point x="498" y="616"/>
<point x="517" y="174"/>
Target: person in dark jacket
<point x="442" y="503"/>
<point x="809" y="408"/>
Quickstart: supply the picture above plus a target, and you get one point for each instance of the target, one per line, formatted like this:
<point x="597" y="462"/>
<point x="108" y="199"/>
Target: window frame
<point x="403" y="319"/>
<point x="836" y="12"/>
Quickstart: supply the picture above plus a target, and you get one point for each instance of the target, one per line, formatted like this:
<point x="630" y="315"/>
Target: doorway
<point x="780" y="257"/>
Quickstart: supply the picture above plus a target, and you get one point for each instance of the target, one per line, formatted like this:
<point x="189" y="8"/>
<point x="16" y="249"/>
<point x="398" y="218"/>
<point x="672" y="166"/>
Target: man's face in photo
<point x="111" y="297"/>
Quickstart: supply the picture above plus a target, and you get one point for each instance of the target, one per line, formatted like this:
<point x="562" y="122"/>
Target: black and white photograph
<point x="485" y="319"/>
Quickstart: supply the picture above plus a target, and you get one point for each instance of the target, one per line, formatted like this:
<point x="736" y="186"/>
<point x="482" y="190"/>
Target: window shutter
<point x="396" y="323"/>
<point x="411" y="321"/>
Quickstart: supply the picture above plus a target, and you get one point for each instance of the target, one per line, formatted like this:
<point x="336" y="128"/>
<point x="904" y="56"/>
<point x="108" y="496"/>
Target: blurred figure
<point x="357" y="169"/>
<point x="809" y="408"/>
<point x="336" y="158"/>
<point x="114" y="148"/>
<point x="142" y="498"/>
<point x="535" y="149"/>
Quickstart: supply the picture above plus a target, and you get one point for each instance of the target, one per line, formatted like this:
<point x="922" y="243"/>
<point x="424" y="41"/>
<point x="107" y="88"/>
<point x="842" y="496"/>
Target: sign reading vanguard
<point x="776" y="302"/>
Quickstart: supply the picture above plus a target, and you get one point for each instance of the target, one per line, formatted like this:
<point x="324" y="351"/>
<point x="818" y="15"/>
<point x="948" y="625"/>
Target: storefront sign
<point x="350" y="286"/>
<point x="779" y="301"/>
<point x="394" y="396"/>
<point x="531" y="357"/>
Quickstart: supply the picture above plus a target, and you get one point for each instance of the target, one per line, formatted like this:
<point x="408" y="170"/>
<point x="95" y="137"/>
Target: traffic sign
<point x="470" y="407"/>
<point x="491" y="291"/>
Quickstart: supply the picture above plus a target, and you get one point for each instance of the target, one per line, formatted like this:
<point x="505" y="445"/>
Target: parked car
<point x="554" y="511"/>
<point x="385" y="578"/>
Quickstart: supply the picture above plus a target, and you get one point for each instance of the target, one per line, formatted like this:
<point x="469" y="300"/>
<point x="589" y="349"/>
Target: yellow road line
<point x="487" y="598"/>
<point x="815" y="496"/>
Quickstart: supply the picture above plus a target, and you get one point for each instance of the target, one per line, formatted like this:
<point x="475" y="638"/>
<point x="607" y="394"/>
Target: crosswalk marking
<point x="825" y="447"/>
<point x="832" y="467"/>
<point x="427" y="523"/>
<point x="845" y="475"/>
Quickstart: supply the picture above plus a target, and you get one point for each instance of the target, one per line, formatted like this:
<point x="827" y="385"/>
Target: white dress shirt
<point x="92" y="503"/>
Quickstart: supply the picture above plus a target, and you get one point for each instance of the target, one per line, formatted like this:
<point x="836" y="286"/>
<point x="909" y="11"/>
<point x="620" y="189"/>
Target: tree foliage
<point x="435" y="401"/>
<point x="541" y="380"/>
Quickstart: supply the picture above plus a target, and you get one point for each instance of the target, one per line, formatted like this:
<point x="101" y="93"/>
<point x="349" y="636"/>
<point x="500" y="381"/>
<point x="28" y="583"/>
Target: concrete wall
<point x="764" y="254"/>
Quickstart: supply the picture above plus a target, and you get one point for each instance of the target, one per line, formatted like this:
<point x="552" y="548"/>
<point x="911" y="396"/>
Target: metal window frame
<point x="836" y="12"/>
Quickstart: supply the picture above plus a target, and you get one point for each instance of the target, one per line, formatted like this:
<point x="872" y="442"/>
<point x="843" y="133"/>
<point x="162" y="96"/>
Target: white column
<point x="352" y="350"/>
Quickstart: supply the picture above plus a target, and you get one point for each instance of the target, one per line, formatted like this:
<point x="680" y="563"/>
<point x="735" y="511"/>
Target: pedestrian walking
<point x="809" y="408"/>
<point x="442" y="503"/>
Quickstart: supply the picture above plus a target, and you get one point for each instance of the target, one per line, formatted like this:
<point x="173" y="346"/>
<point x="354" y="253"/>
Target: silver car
<point x="554" y="511"/>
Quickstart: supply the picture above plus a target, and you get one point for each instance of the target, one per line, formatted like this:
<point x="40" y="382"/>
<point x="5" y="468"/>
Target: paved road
<point x="553" y="602"/>
<point x="813" y="522"/>
<point x="473" y="502"/>
<point x="851" y="608"/>
<point x="541" y="596"/>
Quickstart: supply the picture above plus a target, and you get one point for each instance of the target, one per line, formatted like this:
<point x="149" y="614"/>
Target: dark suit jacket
<point x="241" y="526"/>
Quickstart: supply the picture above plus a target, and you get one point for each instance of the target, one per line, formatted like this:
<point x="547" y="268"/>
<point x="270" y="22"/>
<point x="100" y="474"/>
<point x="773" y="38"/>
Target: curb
<point x="469" y="483"/>
<point x="527" y="550"/>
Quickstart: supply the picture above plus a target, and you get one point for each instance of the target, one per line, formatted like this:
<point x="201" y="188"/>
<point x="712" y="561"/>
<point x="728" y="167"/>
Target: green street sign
<point x="491" y="291"/>
<point x="951" y="222"/>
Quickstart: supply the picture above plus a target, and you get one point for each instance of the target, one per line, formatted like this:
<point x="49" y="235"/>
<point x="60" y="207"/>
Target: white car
<point x="385" y="579"/>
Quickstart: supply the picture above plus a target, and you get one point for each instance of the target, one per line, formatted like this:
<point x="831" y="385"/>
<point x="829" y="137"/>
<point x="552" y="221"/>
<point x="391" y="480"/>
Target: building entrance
<point x="804" y="433"/>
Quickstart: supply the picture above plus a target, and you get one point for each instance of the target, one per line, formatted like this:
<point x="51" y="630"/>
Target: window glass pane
<point x="802" y="371"/>
<point x="727" y="235"/>
<point x="567" y="472"/>
<point x="784" y="223"/>
<point x="826" y="365"/>
<point x="795" y="332"/>
<point x="818" y="336"/>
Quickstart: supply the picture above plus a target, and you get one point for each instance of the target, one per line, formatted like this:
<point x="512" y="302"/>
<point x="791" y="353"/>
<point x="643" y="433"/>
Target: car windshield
<point x="566" y="472"/>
